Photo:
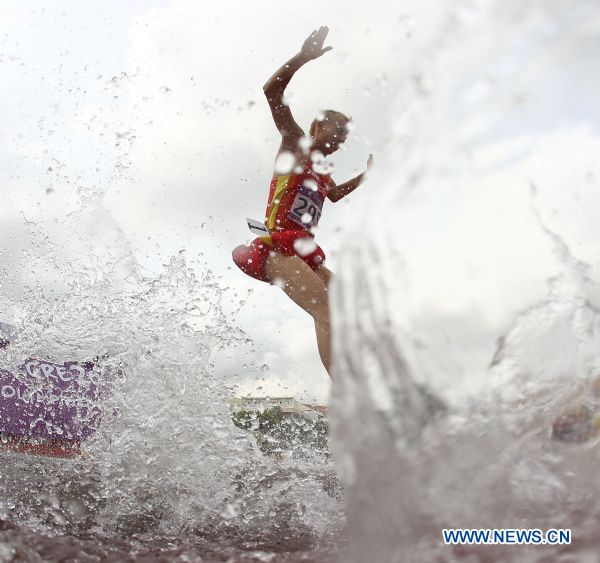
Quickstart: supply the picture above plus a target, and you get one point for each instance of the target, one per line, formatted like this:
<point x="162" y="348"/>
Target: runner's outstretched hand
<point x="369" y="162"/>
<point x="312" y="47"/>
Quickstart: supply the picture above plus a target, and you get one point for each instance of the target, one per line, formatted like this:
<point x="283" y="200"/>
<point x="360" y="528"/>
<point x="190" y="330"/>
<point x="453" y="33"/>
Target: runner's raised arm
<point x="274" y="88"/>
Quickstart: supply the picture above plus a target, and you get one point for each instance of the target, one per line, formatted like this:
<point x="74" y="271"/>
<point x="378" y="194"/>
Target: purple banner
<point x="50" y="401"/>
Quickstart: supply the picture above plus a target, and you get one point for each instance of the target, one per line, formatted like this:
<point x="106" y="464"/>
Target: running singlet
<point x="296" y="200"/>
<point x="294" y="208"/>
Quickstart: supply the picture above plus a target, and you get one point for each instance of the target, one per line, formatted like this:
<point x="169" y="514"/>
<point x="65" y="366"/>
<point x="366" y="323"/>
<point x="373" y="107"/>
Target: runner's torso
<point x="296" y="200"/>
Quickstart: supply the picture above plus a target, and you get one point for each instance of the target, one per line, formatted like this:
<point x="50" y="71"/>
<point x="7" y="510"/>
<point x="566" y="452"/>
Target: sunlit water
<point x="467" y="311"/>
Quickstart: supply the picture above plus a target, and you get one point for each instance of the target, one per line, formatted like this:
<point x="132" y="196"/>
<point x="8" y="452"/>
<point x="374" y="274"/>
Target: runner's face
<point x="332" y="133"/>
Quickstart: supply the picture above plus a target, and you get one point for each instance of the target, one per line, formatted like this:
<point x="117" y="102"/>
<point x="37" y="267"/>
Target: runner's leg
<point x="308" y="291"/>
<point x="325" y="274"/>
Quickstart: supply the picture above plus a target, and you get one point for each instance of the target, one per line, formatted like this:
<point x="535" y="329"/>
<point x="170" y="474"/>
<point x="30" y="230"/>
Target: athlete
<point x="287" y="255"/>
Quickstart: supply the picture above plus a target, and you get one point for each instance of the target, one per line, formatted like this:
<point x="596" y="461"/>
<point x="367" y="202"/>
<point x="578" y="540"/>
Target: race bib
<point x="307" y="208"/>
<point x="257" y="228"/>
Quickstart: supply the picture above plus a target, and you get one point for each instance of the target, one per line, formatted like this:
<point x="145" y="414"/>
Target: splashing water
<point x="167" y="474"/>
<point x="461" y="340"/>
<point x="466" y="316"/>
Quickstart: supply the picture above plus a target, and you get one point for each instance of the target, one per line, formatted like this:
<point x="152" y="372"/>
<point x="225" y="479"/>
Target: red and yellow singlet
<point x="296" y="200"/>
<point x="293" y="209"/>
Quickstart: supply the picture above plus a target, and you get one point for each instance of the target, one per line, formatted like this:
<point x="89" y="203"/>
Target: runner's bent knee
<point x="300" y="283"/>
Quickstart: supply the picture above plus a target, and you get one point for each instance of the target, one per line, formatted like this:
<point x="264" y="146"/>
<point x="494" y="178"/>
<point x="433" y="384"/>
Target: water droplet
<point x="285" y="162"/>
<point x="305" y="246"/>
<point x="304" y="144"/>
<point x="311" y="184"/>
<point x="230" y="511"/>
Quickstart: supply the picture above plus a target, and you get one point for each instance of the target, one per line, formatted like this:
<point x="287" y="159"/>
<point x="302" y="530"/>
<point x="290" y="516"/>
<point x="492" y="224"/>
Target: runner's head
<point x="329" y="131"/>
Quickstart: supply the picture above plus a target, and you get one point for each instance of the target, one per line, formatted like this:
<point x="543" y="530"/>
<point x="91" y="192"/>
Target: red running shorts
<point x="252" y="259"/>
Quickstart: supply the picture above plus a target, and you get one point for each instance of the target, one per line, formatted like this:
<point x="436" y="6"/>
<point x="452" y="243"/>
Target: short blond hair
<point x="329" y="115"/>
